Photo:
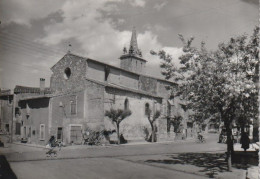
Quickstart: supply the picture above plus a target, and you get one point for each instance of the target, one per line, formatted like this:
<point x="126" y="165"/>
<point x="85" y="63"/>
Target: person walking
<point x="51" y="141"/>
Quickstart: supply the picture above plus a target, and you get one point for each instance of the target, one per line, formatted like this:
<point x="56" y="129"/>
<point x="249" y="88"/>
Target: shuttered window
<point x="18" y="128"/>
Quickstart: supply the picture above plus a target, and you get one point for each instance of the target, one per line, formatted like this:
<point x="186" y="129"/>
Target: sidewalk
<point x="237" y="147"/>
<point x="68" y="147"/>
<point x="252" y="172"/>
<point x="159" y="142"/>
<point x="28" y="145"/>
<point x="132" y="143"/>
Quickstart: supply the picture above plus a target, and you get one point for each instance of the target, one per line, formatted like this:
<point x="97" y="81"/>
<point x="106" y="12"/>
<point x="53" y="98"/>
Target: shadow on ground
<point x="210" y="163"/>
<point x="5" y="169"/>
<point x="245" y="159"/>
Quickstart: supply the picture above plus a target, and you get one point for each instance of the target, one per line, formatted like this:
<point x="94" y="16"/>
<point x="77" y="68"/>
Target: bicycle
<point x="52" y="152"/>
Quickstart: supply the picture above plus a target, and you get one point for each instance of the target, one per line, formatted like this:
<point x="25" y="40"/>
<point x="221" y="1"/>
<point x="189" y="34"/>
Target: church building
<point x="82" y="89"/>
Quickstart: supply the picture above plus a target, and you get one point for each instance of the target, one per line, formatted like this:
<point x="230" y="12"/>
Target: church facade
<point x="82" y="89"/>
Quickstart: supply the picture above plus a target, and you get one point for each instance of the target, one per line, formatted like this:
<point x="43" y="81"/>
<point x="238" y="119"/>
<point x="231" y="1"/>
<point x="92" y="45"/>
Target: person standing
<point x="245" y="141"/>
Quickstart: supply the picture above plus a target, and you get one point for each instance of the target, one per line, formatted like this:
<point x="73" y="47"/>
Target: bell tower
<point x="132" y="59"/>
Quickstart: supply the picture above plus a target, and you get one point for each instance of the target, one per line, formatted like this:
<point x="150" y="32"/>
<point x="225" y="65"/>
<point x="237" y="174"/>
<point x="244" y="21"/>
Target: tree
<point x="177" y="123"/>
<point x="117" y="116"/>
<point x="221" y="84"/>
<point x="152" y="119"/>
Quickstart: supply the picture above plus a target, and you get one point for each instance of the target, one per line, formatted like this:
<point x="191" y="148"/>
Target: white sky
<point x="34" y="35"/>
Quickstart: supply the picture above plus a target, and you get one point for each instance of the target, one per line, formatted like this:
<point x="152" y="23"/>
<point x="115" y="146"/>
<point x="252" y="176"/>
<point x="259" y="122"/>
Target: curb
<point x="29" y="145"/>
<point x="111" y="145"/>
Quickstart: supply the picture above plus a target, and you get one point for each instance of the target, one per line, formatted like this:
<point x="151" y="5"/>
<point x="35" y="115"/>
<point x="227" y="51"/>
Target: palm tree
<point x="117" y="116"/>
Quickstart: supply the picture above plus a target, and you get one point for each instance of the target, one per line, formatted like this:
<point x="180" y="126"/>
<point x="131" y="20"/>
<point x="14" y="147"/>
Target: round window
<point x="67" y="73"/>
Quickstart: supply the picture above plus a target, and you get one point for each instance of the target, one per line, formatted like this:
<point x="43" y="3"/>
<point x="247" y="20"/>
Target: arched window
<point x="147" y="108"/>
<point x="67" y="73"/>
<point x="126" y="104"/>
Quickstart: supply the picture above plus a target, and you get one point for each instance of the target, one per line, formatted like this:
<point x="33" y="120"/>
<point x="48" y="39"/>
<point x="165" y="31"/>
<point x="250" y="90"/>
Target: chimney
<point x="42" y="85"/>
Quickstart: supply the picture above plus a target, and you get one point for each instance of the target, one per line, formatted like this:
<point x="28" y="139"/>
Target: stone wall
<point x="95" y="71"/>
<point x="62" y="116"/>
<point x="126" y="64"/>
<point x="132" y="64"/>
<point x="163" y="134"/>
<point x="89" y="107"/>
<point x="148" y="84"/>
<point x="60" y="82"/>
<point x="94" y="108"/>
<point x="129" y="80"/>
<point x="114" y="76"/>
<point x="162" y="89"/>
<point x="132" y="127"/>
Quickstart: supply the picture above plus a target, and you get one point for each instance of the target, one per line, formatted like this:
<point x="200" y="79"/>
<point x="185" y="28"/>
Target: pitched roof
<point x="105" y="84"/>
<point x="133" y="48"/>
<point x="78" y="57"/>
<point x="5" y="91"/>
<point x="26" y="89"/>
<point x="134" y="56"/>
<point x="112" y="85"/>
<point x="35" y="97"/>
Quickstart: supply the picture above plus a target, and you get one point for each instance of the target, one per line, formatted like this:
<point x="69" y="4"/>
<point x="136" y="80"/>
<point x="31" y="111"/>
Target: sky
<point x="34" y="35"/>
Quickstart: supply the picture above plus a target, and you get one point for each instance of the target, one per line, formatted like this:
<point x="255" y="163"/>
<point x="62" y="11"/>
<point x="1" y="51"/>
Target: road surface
<point x="124" y="161"/>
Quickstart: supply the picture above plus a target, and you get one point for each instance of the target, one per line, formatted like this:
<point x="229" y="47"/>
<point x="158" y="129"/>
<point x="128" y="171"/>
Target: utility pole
<point x="13" y="117"/>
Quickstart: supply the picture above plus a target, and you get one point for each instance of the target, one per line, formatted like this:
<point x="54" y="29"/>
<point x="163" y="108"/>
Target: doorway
<point x="7" y="127"/>
<point x="24" y="132"/>
<point x="59" y="134"/>
<point x="75" y="134"/>
<point x="18" y="128"/>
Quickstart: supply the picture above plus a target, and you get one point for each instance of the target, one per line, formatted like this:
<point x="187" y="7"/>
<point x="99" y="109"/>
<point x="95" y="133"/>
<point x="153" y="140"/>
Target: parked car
<point x="214" y="131"/>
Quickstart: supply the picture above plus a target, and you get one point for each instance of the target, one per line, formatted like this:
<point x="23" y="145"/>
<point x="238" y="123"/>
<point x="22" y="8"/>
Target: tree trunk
<point x="219" y="126"/>
<point x="118" y="135"/>
<point x="230" y="147"/>
<point x="151" y="123"/>
<point x="229" y="163"/>
<point x="152" y="132"/>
